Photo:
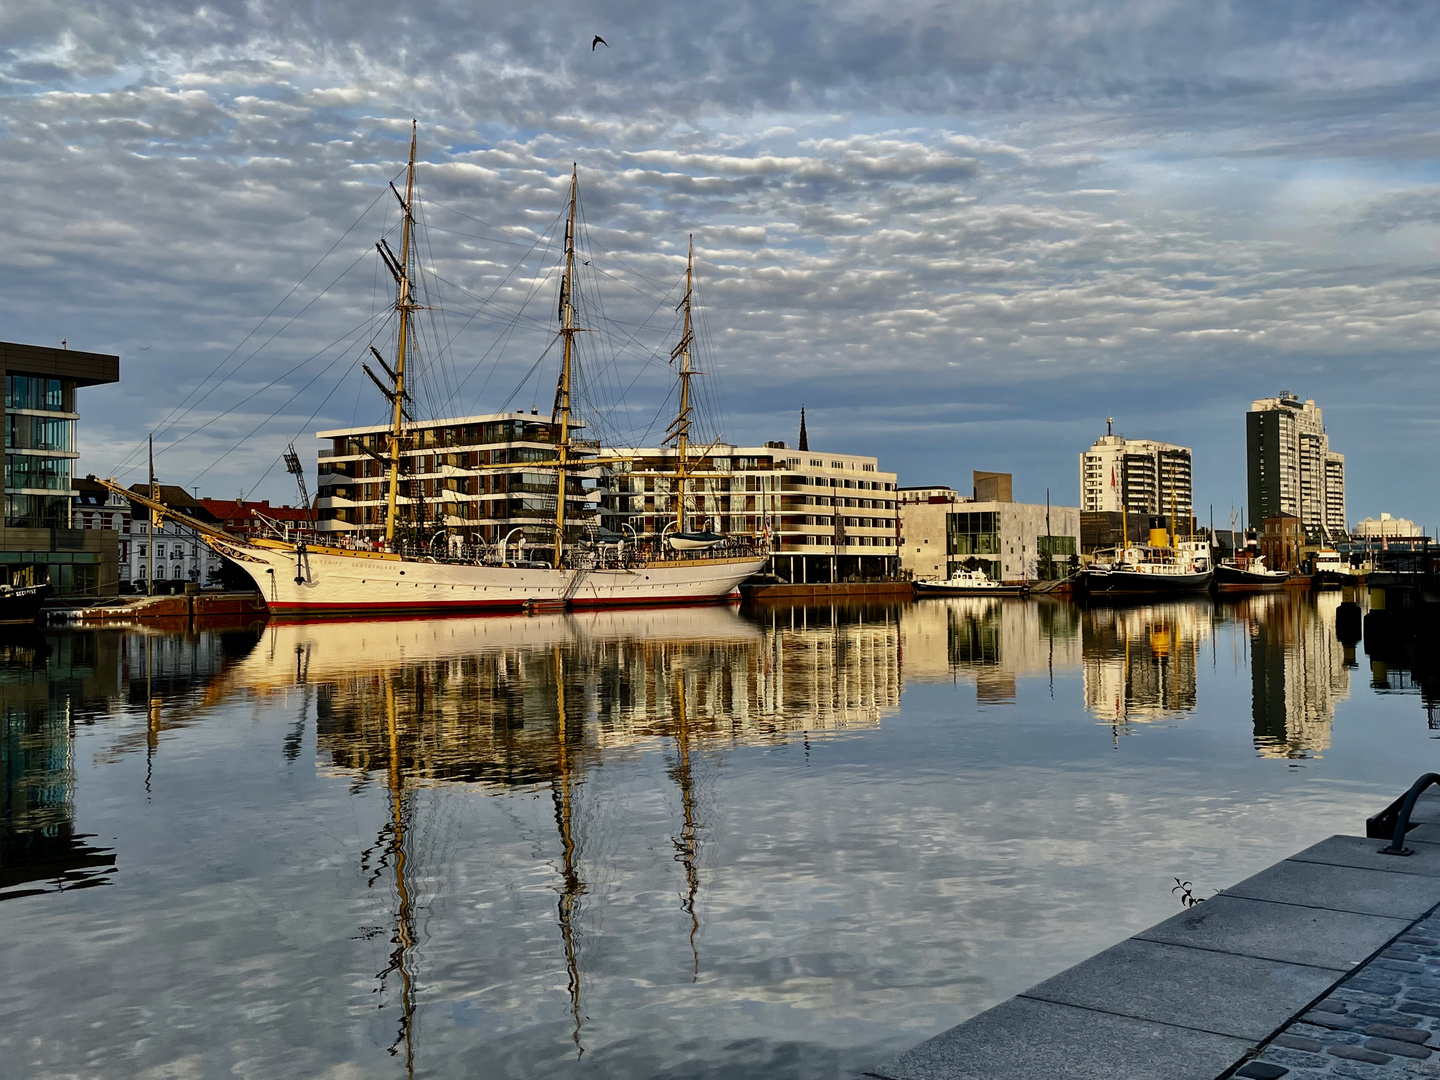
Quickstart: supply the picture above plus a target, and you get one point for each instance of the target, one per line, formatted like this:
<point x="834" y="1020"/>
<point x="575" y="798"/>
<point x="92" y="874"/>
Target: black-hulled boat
<point x="21" y="603"/>
<point x="1150" y="570"/>
<point x="1251" y="576"/>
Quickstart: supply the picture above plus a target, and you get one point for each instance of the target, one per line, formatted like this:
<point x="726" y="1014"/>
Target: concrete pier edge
<point x="1203" y="994"/>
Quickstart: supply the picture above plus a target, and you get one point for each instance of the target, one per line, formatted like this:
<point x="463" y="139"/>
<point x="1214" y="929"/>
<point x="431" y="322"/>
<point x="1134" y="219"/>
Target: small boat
<point x="966" y="583"/>
<point x="1234" y="576"/>
<point x="1330" y="571"/>
<point x="694" y="541"/>
<point x="20" y="601"/>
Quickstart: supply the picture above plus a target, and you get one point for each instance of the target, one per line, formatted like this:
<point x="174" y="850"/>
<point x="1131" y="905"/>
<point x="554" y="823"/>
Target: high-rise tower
<point x="1291" y="468"/>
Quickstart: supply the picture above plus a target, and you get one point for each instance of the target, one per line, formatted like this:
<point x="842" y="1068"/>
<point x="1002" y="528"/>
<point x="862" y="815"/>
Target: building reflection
<point x="536" y="702"/>
<point x="1140" y="662"/>
<point x="43" y="686"/>
<point x="1298" y="670"/>
<point x="992" y="640"/>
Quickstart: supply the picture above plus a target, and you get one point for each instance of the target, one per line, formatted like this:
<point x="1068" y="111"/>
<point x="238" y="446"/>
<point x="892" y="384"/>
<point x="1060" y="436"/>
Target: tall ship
<point x="563" y="563"/>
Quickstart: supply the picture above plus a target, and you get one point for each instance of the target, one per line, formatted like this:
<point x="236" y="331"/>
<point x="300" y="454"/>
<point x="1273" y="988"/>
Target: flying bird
<point x="598" y="41"/>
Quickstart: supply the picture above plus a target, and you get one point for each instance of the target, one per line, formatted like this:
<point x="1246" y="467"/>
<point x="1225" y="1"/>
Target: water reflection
<point x="40" y="847"/>
<point x="540" y="840"/>
<point x="536" y="703"/>
<point x="1140" y="662"/>
<point x="1298" y="671"/>
<point x="992" y="640"/>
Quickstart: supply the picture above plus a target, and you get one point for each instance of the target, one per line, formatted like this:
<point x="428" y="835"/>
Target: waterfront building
<point x="1142" y="476"/>
<point x="1291" y="468"/>
<point x="1386" y="527"/>
<point x="37" y="538"/>
<point x="1010" y="541"/>
<point x="830" y="517"/>
<point x="1282" y="542"/>
<point x="450" y="478"/>
<point x="179" y="555"/>
<point x="97" y="507"/>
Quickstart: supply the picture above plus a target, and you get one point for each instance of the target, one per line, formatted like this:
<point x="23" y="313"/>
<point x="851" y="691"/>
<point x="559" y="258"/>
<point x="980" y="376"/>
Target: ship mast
<point x="404" y="305"/>
<point x="680" y="426"/>
<point x="561" y="412"/>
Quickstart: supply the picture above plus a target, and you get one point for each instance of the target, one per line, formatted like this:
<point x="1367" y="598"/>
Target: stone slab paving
<point x="1324" y="965"/>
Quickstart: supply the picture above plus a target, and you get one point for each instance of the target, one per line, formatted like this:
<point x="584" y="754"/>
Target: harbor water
<point x="780" y="842"/>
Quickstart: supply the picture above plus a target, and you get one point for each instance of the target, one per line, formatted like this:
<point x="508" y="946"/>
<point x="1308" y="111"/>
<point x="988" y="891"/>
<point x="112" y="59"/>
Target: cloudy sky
<point x="961" y="233"/>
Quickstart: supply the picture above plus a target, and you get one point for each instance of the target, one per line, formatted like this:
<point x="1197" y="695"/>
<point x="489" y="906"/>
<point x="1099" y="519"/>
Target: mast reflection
<point x="533" y="703"/>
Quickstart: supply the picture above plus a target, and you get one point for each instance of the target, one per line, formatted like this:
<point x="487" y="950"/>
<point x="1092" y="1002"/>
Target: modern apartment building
<point x="38" y="540"/>
<point x="450" y="478"/>
<point x="1140" y="475"/>
<point x="831" y="517"/>
<point x="1291" y="468"/>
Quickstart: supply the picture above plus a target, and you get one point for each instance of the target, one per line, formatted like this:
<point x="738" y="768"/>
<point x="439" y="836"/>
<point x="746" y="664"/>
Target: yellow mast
<point x="404" y="305"/>
<point x="561" y="411"/>
<point x="680" y="427"/>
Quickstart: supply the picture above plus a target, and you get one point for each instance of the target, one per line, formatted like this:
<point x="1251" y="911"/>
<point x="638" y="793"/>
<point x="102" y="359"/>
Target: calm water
<point x="781" y="843"/>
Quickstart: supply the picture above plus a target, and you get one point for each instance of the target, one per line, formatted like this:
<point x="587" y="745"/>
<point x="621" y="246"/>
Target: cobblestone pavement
<point x="1382" y="1023"/>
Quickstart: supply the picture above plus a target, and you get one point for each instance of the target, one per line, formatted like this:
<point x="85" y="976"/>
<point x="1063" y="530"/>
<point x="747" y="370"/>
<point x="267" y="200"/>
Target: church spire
<point x="804" y="439"/>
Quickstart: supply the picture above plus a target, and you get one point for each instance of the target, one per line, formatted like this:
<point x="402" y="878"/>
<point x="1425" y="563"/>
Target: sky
<point x="962" y="234"/>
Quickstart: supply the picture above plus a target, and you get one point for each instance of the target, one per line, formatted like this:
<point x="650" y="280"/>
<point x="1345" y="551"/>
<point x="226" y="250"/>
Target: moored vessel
<point x="1235" y="576"/>
<point x="1164" y="565"/>
<point x="1330" y="571"/>
<point x="965" y="582"/>
<point x="413" y="570"/>
<point x="21" y="599"/>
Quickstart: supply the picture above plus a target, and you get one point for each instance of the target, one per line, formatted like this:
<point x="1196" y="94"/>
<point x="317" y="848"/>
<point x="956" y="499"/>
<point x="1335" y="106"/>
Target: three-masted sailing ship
<point x="399" y="576"/>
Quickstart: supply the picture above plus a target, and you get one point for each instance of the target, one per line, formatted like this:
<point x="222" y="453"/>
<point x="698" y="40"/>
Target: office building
<point x="1291" y="468"/>
<point x="1010" y="541"/>
<point x="37" y="538"/>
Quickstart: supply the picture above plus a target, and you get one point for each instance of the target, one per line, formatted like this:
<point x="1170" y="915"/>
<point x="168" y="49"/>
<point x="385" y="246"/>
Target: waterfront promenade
<point x="1326" y="964"/>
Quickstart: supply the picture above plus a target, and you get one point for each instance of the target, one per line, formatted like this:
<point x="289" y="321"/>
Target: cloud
<point x="1015" y="206"/>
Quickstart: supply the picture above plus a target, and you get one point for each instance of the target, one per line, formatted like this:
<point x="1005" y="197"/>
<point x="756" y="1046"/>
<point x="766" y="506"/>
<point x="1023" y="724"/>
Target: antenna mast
<point x="400" y="268"/>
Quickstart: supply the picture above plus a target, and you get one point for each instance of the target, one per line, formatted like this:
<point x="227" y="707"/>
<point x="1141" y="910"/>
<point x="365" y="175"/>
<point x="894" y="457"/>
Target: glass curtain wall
<point x="38" y="451"/>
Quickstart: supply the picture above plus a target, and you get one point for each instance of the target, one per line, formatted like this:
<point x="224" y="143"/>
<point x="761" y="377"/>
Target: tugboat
<point x="1164" y="565"/>
<point x="20" y="600"/>
<point x="966" y="583"/>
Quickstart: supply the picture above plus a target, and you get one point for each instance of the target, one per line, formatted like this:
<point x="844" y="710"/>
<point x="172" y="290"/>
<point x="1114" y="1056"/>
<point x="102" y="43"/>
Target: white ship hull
<point x="336" y="581"/>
